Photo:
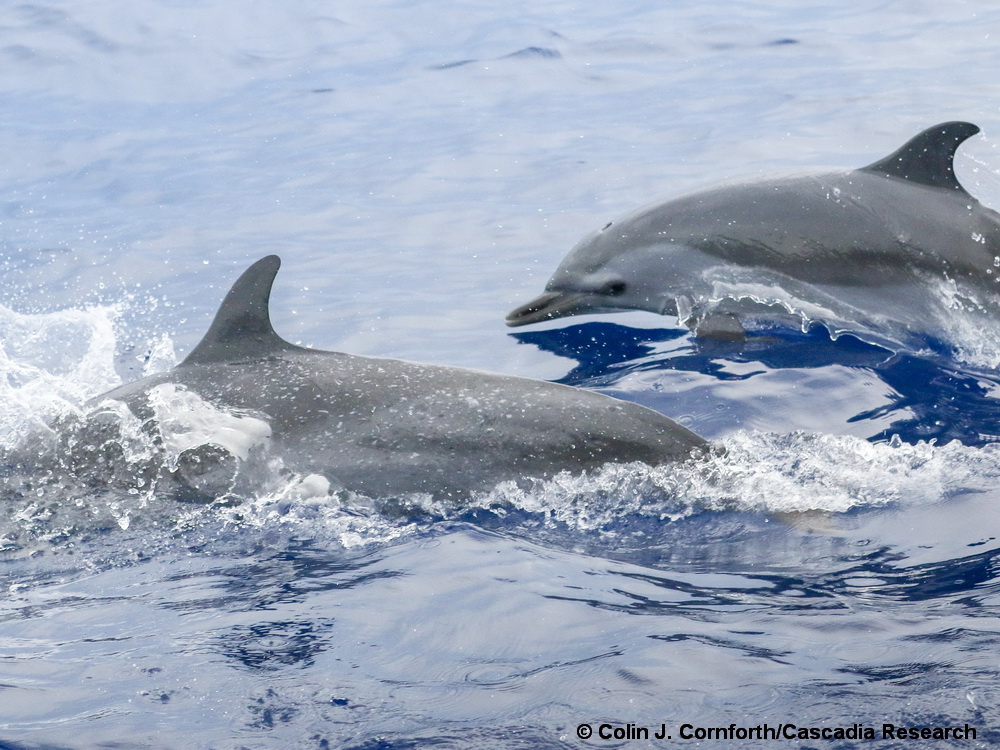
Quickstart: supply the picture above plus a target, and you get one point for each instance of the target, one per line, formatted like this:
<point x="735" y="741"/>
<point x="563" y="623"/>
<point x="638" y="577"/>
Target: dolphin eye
<point x="607" y="226"/>
<point x="613" y="288"/>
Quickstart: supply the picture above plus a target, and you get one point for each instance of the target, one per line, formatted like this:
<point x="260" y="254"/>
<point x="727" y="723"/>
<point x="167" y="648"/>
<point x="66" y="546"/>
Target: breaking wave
<point x="72" y="469"/>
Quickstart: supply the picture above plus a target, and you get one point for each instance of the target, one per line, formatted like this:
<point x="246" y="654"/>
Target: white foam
<point x="804" y="471"/>
<point x="765" y="473"/>
<point x="52" y="363"/>
<point x="187" y="421"/>
<point x="970" y="322"/>
<point x="306" y="504"/>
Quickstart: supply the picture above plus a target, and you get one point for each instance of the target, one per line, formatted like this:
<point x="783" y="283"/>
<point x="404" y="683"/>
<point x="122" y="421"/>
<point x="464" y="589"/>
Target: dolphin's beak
<point x="547" y="307"/>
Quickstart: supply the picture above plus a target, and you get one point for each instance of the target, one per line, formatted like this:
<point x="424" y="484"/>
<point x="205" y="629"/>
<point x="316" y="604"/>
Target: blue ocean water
<point x="422" y="170"/>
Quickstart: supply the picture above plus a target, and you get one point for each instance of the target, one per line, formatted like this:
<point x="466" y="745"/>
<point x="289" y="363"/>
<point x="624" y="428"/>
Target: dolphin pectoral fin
<point x="548" y="306"/>
<point x="928" y="157"/>
<point x="718" y="326"/>
<point x="818" y="522"/>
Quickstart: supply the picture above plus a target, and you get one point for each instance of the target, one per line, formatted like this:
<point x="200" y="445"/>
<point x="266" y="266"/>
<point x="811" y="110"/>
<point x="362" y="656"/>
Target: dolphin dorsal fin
<point x="927" y="158"/>
<point x="242" y="326"/>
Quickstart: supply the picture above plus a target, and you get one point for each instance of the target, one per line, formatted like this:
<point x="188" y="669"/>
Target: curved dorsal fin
<point x="242" y="326"/>
<point x="927" y="157"/>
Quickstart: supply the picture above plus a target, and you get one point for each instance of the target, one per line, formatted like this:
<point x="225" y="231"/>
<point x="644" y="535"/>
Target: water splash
<point x="936" y="314"/>
<point x="764" y="473"/>
<point x="71" y="470"/>
<point x="51" y="364"/>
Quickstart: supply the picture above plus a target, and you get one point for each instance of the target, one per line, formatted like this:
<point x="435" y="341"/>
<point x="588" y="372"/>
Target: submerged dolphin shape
<point x="387" y="428"/>
<point x="839" y="247"/>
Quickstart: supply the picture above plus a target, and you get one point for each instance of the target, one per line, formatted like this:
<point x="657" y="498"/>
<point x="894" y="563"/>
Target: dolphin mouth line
<point x="548" y="306"/>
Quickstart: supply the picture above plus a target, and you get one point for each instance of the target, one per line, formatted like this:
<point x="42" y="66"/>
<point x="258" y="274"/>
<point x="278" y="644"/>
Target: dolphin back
<point x="382" y="427"/>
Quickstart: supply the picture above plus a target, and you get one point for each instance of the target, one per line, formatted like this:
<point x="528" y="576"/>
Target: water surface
<point x="421" y="171"/>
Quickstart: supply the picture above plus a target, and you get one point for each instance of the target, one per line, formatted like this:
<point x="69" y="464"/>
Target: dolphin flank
<point x="865" y="243"/>
<point x="386" y="428"/>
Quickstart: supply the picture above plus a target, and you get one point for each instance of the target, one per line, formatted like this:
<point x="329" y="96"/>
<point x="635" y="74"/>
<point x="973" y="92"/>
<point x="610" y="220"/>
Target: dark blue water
<point x="926" y="397"/>
<point x="421" y="171"/>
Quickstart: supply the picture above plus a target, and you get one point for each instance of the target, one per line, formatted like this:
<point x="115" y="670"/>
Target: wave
<point x="71" y="469"/>
<point x="802" y="479"/>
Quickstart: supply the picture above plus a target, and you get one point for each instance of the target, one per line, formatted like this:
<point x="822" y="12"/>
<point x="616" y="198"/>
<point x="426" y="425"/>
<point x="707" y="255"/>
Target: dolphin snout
<point x="547" y="307"/>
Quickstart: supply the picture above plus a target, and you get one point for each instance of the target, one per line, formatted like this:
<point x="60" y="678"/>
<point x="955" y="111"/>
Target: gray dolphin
<point x="387" y="428"/>
<point x="872" y="244"/>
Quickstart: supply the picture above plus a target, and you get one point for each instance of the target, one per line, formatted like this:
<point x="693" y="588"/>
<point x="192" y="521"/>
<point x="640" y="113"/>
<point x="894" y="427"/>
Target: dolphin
<point x="387" y="428"/>
<point x="871" y="245"/>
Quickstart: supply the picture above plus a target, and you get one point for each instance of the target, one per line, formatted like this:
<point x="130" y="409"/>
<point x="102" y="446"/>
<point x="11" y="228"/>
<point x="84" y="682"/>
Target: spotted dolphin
<point x="874" y="244"/>
<point x="388" y="428"/>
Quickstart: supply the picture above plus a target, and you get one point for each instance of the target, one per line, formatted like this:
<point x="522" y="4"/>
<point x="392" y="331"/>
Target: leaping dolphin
<point x="863" y="245"/>
<point x="388" y="428"/>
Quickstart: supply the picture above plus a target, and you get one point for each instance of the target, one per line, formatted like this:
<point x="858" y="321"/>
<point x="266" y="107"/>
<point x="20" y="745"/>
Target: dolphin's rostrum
<point x="387" y="428"/>
<point x="863" y="243"/>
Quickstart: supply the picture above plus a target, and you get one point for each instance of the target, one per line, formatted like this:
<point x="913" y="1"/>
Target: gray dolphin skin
<point x="863" y="242"/>
<point x="387" y="428"/>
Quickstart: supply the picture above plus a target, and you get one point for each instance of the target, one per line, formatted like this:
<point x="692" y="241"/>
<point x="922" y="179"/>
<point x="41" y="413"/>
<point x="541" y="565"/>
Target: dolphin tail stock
<point x="928" y="157"/>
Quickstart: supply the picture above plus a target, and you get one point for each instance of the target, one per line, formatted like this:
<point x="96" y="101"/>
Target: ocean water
<point x="421" y="170"/>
